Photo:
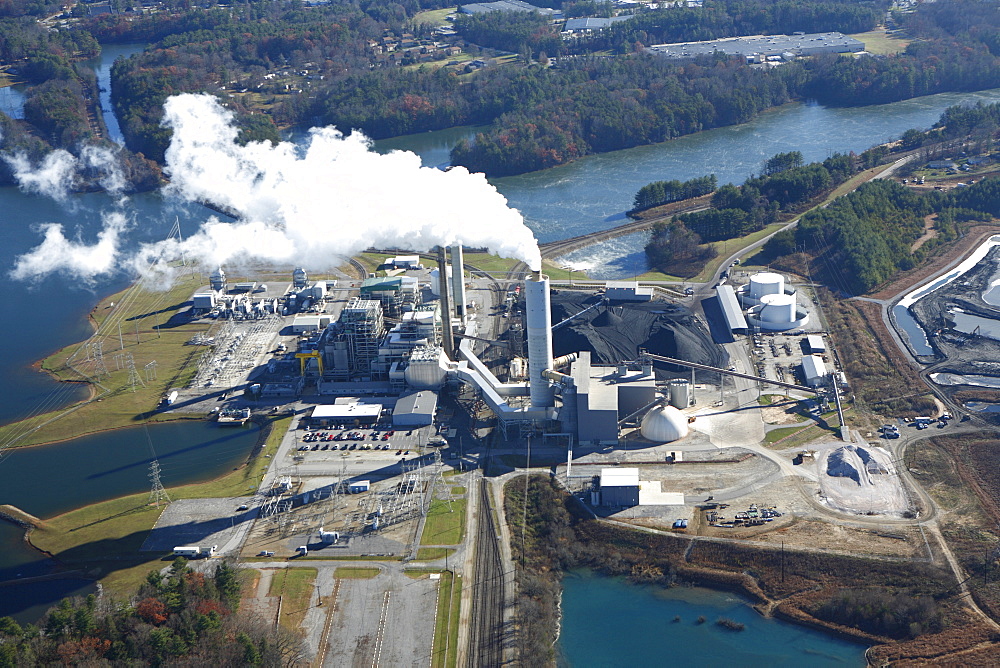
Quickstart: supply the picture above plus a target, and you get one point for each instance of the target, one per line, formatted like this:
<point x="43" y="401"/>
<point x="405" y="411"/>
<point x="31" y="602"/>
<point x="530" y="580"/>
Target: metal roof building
<point x="814" y="342"/>
<point x="504" y="6"/>
<point x="814" y="370"/>
<point x="415" y="409"/>
<point x="763" y="46"/>
<point x="731" y="310"/>
<point x="592" y="23"/>
<point x="627" y="291"/>
<point x="620" y="487"/>
<point x="327" y="414"/>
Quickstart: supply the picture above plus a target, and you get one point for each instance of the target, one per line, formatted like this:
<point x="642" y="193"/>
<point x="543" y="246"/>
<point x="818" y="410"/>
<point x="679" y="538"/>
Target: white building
<point x="814" y="370"/>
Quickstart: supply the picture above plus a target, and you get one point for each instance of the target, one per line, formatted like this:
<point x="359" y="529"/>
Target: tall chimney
<point x="458" y="282"/>
<point x="446" y="334"/>
<point x="538" y="328"/>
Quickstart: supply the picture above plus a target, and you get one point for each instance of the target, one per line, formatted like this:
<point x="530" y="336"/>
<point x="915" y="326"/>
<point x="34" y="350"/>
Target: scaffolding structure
<point x="363" y="328"/>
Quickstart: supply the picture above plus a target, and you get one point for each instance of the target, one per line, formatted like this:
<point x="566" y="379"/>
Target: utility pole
<point x="120" y="339"/>
<point x="158" y="493"/>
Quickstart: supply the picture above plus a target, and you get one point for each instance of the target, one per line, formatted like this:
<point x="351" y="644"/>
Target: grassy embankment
<point x="295" y="587"/>
<point x="103" y="539"/>
<point x="149" y="335"/>
<point x="444" y="525"/>
<point x="434" y="17"/>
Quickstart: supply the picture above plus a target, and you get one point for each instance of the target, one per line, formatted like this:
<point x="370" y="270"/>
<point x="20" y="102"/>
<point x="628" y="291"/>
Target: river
<point x="588" y="195"/>
<point x="611" y="622"/>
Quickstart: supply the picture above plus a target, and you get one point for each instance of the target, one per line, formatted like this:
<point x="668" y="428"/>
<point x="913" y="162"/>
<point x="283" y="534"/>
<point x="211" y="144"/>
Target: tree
<point x="782" y="161"/>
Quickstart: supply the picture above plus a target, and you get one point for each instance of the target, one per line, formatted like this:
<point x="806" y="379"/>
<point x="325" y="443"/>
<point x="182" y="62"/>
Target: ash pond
<point x="612" y="622"/>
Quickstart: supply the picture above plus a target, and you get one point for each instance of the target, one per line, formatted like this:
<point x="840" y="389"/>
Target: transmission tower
<point x="157" y="493"/>
<point x="150" y="371"/>
<point x="133" y="375"/>
<point x="438" y="480"/>
<point x="99" y="367"/>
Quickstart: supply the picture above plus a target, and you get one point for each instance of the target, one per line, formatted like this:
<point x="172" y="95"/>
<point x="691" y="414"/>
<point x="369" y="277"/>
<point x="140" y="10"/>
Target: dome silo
<point x="664" y="424"/>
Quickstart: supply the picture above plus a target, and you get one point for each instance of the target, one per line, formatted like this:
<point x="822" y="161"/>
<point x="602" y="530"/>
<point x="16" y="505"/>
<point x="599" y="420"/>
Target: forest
<point x="539" y="114"/>
<point x="185" y="617"/>
<point x="678" y="247"/>
<point x="659" y="193"/>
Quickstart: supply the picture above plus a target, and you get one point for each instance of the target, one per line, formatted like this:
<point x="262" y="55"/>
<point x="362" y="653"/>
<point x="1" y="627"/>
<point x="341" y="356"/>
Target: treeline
<point x="892" y="614"/>
<point x="591" y="105"/>
<point x="182" y="618"/>
<point x="957" y="50"/>
<point x="676" y="247"/>
<point x="526" y="33"/>
<point x="659" y="193"/>
<point x="867" y="236"/>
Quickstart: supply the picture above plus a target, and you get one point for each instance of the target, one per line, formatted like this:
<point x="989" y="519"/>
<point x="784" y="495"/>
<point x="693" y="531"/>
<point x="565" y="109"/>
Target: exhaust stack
<point x="538" y="328"/>
<point x="458" y="283"/>
<point x="447" y="339"/>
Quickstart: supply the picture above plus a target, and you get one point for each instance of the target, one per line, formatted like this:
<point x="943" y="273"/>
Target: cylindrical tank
<point x="778" y="308"/>
<point x="664" y="424"/>
<point x="766" y="283"/>
<point x="436" y="281"/>
<point x="680" y="393"/>
<point x="538" y="333"/>
<point x="217" y="280"/>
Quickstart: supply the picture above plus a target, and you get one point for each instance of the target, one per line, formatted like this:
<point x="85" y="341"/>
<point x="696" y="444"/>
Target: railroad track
<point x="486" y="621"/>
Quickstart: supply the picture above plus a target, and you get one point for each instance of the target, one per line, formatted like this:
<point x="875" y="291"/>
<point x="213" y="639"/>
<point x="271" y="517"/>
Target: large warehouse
<point x="415" y="409"/>
<point x="620" y="487"/>
<point x="762" y="47"/>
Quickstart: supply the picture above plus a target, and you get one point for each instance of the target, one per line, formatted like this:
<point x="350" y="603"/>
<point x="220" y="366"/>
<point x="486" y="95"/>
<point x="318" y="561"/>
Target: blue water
<point x="102" y="68"/>
<point x="912" y="331"/>
<point x="611" y="622"/>
<point x="12" y="101"/>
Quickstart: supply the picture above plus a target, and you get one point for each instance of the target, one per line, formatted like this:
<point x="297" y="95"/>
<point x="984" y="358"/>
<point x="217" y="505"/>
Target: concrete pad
<point x="650" y="494"/>
<point x="198" y="522"/>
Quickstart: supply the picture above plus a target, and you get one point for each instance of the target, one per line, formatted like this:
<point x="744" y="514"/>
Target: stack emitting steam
<point x="309" y="205"/>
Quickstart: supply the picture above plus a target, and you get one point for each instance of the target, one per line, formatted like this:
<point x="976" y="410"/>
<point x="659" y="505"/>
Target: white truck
<point x="170" y="398"/>
<point x="195" y="551"/>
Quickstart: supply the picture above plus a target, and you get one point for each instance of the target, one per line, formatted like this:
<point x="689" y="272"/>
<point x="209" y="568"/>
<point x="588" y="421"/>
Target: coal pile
<point x="614" y="333"/>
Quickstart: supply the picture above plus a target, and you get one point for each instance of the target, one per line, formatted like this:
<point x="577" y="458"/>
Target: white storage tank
<point x="766" y="283"/>
<point x="778" y="309"/>
<point x="664" y="424"/>
<point x="436" y="282"/>
<point x="680" y="393"/>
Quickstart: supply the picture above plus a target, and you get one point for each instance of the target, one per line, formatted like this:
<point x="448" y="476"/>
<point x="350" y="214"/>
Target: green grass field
<point x="295" y="587"/>
<point x="434" y="17"/>
<point x="879" y="43"/>
<point x="349" y="573"/>
<point x="444" y="526"/>
<point x="433" y="553"/>
<point x="446" y="621"/>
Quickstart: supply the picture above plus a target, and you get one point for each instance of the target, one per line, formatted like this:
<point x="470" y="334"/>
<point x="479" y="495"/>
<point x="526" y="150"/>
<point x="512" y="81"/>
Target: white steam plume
<point x="337" y="198"/>
<point x="59" y="171"/>
<point x="75" y="258"/>
<point x="53" y="177"/>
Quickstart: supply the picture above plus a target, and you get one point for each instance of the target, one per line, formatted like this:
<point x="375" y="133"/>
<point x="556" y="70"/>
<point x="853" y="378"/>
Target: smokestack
<point x="538" y="328"/>
<point x="458" y="282"/>
<point x="446" y="334"/>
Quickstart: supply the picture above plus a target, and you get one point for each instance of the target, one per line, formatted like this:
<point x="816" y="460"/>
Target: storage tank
<point x="436" y="282"/>
<point x="778" y="309"/>
<point x="680" y="393"/>
<point x="766" y="283"/>
<point x="426" y="369"/>
<point x="664" y="424"/>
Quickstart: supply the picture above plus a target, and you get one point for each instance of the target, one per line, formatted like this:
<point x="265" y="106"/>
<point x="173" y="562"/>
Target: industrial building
<point x="814" y="370"/>
<point x="731" y="310"/>
<point x="348" y="414"/>
<point x="604" y="396"/>
<point x="763" y="48"/>
<point x="627" y="291"/>
<point x="619" y="487"/>
<point x="815" y="344"/>
<point x="590" y="24"/>
<point x="415" y="409"/>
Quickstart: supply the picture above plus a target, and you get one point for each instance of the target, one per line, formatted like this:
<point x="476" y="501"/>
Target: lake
<point x="612" y="622"/>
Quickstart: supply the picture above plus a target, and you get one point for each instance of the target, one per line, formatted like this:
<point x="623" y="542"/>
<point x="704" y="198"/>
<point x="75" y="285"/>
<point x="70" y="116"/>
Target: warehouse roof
<point x="347" y="411"/>
<point x="731" y="308"/>
<point x="768" y="45"/>
<point x="813" y="367"/>
<point x="594" y="23"/>
<point x="620" y="477"/>
<point x="815" y="343"/>
<point x="383" y="283"/>
<point x="421" y="403"/>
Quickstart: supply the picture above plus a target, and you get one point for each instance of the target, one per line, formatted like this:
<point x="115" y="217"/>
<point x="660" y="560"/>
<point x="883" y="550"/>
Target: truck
<point x="170" y="398"/>
<point x="195" y="551"/>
